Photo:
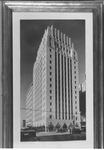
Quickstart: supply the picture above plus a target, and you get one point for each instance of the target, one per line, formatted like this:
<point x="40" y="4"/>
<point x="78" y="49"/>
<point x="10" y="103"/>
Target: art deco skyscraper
<point x="55" y="81"/>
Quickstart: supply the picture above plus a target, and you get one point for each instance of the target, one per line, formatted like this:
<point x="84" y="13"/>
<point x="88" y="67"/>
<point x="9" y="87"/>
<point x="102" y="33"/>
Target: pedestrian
<point x="70" y="130"/>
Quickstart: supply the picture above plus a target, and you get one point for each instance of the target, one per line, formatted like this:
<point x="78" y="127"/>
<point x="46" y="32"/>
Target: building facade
<point x="82" y="99"/>
<point x="82" y="87"/>
<point x="29" y="106"/>
<point x="55" y="81"/>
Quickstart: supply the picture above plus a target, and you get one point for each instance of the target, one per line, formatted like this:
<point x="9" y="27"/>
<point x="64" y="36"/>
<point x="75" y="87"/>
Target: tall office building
<point x="55" y="81"/>
<point x="29" y="106"/>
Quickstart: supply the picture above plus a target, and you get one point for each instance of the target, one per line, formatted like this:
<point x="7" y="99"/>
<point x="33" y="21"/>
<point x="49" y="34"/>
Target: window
<point x="50" y="79"/>
<point x="50" y="109"/>
<point x="75" y="92"/>
<point x="50" y="41"/>
<point x="74" y="67"/>
<point x="50" y="50"/>
<point x="50" y="56"/>
<point x="50" y="73"/>
<point x="50" y="67"/>
<point x="50" y="91"/>
<point x="75" y="77"/>
<point x="75" y="82"/>
<point x="61" y="47"/>
<point x="74" y="62"/>
<point x="50" y="97"/>
<point x="50" y="103"/>
<point x="75" y="72"/>
<point x="50" y="116"/>
<point x="75" y="87"/>
<point x="68" y="51"/>
<point x="50" y="85"/>
<point x="75" y="102"/>
<point x="75" y="107"/>
<point x="75" y="97"/>
<point x="76" y="118"/>
<point x="50" y="61"/>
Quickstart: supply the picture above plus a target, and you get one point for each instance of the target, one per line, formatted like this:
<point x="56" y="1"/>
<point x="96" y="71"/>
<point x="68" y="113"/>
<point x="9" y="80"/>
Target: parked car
<point x="28" y="135"/>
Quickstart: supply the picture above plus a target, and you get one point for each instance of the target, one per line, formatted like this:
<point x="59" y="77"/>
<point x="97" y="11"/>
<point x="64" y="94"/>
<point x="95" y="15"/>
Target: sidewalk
<point x="50" y="133"/>
<point x="53" y="136"/>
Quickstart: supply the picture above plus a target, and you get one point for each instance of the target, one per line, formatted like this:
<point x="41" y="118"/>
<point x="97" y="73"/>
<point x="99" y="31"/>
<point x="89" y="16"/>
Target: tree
<point x="50" y="127"/>
<point x="70" y="125"/>
<point x="76" y="125"/>
<point x="64" y="127"/>
<point x="58" y="126"/>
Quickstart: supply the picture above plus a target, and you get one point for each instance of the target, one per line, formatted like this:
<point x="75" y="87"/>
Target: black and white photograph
<point x="52" y="80"/>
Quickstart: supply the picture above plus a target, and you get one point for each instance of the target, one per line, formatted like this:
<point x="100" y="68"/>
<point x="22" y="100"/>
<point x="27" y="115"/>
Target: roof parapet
<point x="63" y="38"/>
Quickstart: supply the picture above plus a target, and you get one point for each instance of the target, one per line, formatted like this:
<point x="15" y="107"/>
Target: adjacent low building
<point x="29" y="106"/>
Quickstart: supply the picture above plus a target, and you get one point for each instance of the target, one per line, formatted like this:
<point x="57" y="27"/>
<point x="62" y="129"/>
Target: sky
<point x="31" y="33"/>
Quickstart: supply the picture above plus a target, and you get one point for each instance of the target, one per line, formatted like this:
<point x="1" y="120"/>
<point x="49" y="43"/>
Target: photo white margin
<point x="88" y="17"/>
